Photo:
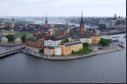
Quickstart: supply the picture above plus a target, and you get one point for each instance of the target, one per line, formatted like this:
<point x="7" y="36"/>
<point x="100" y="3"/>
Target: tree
<point x="66" y="40"/>
<point x="41" y="51"/>
<point x="10" y="37"/>
<point x="104" y="42"/>
<point x="78" y="39"/>
<point x="62" y="41"/>
<point x="72" y="52"/>
<point x="102" y="27"/>
<point x="56" y="34"/>
<point x="23" y="38"/>
<point x="85" y="44"/>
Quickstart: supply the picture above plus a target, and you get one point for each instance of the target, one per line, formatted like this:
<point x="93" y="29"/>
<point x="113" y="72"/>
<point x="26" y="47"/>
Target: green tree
<point x="102" y="27"/>
<point x="78" y="39"/>
<point x="23" y="38"/>
<point x="10" y="37"/>
<point x="85" y="44"/>
<point x="56" y="34"/>
<point x="41" y="51"/>
<point x="72" y="52"/>
<point x="66" y="40"/>
<point x="62" y="41"/>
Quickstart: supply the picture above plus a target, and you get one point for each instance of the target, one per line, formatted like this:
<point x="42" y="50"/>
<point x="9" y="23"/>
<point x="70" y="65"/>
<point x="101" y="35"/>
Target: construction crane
<point x="111" y="34"/>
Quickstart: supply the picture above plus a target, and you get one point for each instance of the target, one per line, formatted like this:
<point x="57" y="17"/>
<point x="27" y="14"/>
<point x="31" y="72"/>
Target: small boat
<point x="116" y="37"/>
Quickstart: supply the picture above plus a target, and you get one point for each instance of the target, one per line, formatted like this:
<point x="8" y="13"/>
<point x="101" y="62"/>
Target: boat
<point x="116" y="37"/>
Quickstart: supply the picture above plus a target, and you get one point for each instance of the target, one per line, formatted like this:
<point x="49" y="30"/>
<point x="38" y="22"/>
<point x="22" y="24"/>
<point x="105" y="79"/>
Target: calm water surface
<point x="105" y="68"/>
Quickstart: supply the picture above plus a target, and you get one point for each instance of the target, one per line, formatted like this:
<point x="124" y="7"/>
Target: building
<point x="46" y="21"/>
<point x="57" y="50"/>
<point x="12" y="23"/>
<point x="53" y="41"/>
<point x="4" y="40"/>
<point x="82" y="29"/>
<point x="62" y="31"/>
<point x="95" y="39"/>
<point x="69" y="46"/>
<point x="18" y="41"/>
<point x="33" y="43"/>
<point x="48" y="50"/>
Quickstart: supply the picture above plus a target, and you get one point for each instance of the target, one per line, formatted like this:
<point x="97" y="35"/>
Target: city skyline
<point x="62" y="8"/>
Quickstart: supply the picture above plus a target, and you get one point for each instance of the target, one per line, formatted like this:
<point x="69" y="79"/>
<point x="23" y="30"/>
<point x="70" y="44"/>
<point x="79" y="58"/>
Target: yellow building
<point x="49" y="50"/>
<point x="66" y="48"/>
<point x="96" y="39"/>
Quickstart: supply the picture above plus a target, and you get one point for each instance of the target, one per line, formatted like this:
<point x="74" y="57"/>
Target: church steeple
<point x="46" y="18"/>
<point x="82" y="18"/>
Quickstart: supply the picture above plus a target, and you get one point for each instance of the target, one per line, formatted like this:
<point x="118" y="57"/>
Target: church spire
<point x="46" y="18"/>
<point x="82" y="18"/>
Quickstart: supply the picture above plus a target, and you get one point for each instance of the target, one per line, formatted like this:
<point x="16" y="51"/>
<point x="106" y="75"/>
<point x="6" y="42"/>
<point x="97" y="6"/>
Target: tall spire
<point x="82" y="18"/>
<point x="46" y="18"/>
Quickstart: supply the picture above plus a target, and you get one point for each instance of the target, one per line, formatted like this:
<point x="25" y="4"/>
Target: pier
<point x="10" y="51"/>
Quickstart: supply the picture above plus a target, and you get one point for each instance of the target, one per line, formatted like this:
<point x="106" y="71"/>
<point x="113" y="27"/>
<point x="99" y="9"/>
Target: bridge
<point x="115" y="32"/>
<point x="10" y="51"/>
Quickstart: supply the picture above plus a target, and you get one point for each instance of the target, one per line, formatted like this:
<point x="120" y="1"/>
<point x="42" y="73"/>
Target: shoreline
<point x="73" y="57"/>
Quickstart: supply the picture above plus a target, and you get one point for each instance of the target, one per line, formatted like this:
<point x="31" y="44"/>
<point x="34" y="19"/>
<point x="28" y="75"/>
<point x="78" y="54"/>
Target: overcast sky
<point x="39" y="8"/>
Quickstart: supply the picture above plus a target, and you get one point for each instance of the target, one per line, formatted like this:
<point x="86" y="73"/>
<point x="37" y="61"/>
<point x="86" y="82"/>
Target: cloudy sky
<point x="62" y="7"/>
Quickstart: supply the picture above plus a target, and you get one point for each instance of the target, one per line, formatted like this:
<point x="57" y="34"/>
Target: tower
<point x="27" y="37"/>
<point x="81" y="29"/>
<point x="46" y="21"/>
<point x="12" y="23"/>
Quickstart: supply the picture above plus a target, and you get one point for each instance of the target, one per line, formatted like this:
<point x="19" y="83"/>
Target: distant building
<point x="48" y="50"/>
<point x="53" y="41"/>
<point x="62" y="31"/>
<point x="4" y="40"/>
<point x="95" y="39"/>
<point x="18" y="41"/>
<point x="115" y="16"/>
<point x="33" y="43"/>
<point x="57" y="50"/>
<point x="82" y="29"/>
<point x="69" y="46"/>
<point x="12" y="23"/>
<point x="46" y="21"/>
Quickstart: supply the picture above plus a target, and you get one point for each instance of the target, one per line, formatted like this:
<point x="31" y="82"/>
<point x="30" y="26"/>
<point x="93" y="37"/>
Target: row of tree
<point x="84" y="50"/>
<point x="11" y="38"/>
<point x="104" y="42"/>
<point x="64" y="41"/>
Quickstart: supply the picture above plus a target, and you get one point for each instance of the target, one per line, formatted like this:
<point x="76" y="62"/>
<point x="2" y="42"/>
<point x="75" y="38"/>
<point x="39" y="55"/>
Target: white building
<point x="52" y="42"/>
<point x="57" y="50"/>
<point x="88" y="40"/>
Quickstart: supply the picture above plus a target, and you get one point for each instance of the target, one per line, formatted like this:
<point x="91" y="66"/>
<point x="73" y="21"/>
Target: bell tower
<point x="46" y="21"/>
<point x="81" y="29"/>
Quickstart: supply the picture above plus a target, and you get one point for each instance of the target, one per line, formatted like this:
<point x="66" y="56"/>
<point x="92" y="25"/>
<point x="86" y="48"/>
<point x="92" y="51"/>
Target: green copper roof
<point x="27" y="35"/>
<point x="18" y="39"/>
<point x="4" y="38"/>
<point x="12" y="19"/>
<point x="46" y="19"/>
<point x="57" y="46"/>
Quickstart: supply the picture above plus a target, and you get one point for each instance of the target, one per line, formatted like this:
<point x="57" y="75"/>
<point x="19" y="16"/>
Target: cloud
<point x="63" y="7"/>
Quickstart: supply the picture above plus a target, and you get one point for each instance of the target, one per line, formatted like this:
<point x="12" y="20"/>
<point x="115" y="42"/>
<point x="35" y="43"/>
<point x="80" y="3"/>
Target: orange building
<point x="66" y="48"/>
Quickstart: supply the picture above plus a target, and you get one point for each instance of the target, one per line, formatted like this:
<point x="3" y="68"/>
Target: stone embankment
<point x="72" y="57"/>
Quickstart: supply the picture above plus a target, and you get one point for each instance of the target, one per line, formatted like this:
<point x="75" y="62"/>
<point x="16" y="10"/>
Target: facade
<point x="62" y="31"/>
<point x="96" y="39"/>
<point x="33" y="43"/>
<point x="18" y="41"/>
<point x="49" y="50"/>
<point x="68" y="47"/>
<point x="12" y="23"/>
<point x="4" y="40"/>
<point x="57" y="50"/>
<point x="81" y="29"/>
<point x="52" y="41"/>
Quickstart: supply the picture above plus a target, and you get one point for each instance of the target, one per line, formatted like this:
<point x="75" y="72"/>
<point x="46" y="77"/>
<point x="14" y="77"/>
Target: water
<point x="54" y="22"/>
<point x="105" y="68"/>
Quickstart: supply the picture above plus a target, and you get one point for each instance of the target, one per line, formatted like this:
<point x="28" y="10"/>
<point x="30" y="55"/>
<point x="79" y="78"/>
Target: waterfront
<point x="105" y="68"/>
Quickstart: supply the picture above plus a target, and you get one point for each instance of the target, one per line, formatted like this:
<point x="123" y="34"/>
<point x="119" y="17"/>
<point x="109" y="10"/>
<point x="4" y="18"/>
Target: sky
<point x="39" y="8"/>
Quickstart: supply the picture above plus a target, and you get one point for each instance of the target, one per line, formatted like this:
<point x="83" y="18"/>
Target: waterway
<point x="104" y="68"/>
